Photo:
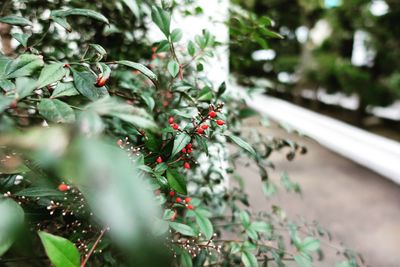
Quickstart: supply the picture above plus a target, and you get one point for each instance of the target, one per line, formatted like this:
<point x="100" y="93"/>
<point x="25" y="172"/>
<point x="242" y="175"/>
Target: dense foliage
<point x="327" y="64"/>
<point x="114" y="150"/>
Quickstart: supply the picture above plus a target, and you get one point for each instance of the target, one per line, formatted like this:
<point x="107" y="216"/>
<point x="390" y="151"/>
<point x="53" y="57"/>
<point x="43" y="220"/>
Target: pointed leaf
<point x="176" y="181"/>
<point x="249" y="260"/>
<point x="24" y="65"/>
<point x="182" y="228"/>
<point x="162" y="19"/>
<point x="181" y="140"/>
<point x="50" y="74"/>
<point x="79" y="12"/>
<point x="84" y="82"/>
<point x="61" y="252"/>
<point x="205" y="225"/>
<point x="15" y="20"/>
<point x="243" y="144"/>
<point x="56" y="111"/>
<point x="173" y="68"/>
<point x="140" y="67"/>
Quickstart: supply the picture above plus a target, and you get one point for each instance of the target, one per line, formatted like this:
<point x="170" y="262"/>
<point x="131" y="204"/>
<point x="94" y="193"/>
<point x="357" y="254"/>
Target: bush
<point x="113" y="162"/>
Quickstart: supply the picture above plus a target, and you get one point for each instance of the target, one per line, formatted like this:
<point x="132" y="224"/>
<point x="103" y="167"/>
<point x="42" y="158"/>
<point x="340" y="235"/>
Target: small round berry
<point x="189" y="150"/>
<point x="190" y="207"/>
<point x="178" y="200"/>
<point x="204" y="126"/>
<point x="175" y="126"/>
<point x="212" y="114"/>
<point x="101" y="81"/>
<point x="189" y="145"/>
<point x="119" y="142"/>
<point x="183" y="150"/>
<point x="220" y="122"/>
<point x="171" y="120"/>
<point x="63" y="187"/>
<point x="153" y="49"/>
<point x="171" y="193"/>
<point x="187" y="199"/>
<point x="186" y="165"/>
<point x="159" y="159"/>
<point x="200" y="131"/>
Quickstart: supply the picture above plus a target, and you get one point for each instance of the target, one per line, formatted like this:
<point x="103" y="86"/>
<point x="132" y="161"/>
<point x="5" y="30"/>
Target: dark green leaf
<point x="24" y="65"/>
<point x="61" y="251"/>
<point x="62" y="22"/>
<point x="176" y="181"/>
<point x="85" y="83"/>
<point x="205" y="225"/>
<point x="205" y="94"/>
<point x="16" y="20"/>
<point x="79" y="12"/>
<point x="186" y="259"/>
<point x="181" y="140"/>
<point x="64" y="89"/>
<point x="39" y="192"/>
<point x="56" y="111"/>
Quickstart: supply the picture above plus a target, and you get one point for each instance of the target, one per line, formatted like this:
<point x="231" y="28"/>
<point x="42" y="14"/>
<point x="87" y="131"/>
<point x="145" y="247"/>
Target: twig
<point x="94" y="247"/>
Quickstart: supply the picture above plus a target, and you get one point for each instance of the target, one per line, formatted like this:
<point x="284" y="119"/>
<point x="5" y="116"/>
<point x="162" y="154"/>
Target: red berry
<point x="212" y="114"/>
<point x="187" y="199"/>
<point x="154" y="49"/>
<point x="204" y="126"/>
<point x="200" y="131"/>
<point x="63" y="187"/>
<point x="189" y="151"/>
<point x="220" y="122"/>
<point x="66" y="65"/>
<point x="190" y="207"/>
<point x="183" y="150"/>
<point x="101" y="81"/>
<point x="189" y="145"/>
<point x="178" y="200"/>
<point x="175" y="126"/>
<point x="171" y="120"/>
<point x="119" y="142"/>
<point x="171" y="193"/>
<point x="159" y="159"/>
<point x="13" y="104"/>
<point x="186" y="165"/>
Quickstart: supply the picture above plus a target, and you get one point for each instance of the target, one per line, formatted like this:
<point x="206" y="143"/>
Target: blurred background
<point x="336" y="67"/>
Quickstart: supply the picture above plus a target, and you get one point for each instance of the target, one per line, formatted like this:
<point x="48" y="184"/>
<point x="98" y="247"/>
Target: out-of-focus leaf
<point x="61" y="251"/>
<point x="248" y="259"/>
<point x="22" y="38"/>
<point x="186" y="259"/>
<point x="79" y="12"/>
<point x="39" y="192"/>
<point x="243" y="144"/>
<point x="176" y="35"/>
<point x="12" y="217"/>
<point x="205" y="225"/>
<point x="162" y="19"/>
<point x="173" y="68"/>
<point x="15" y="20"/>
<point x="140" y="67"/>
<point x="24" y="86"/>
<point x="56" y="111"/>
<point x="182" y="228"/>
<point x="133" y="6"/>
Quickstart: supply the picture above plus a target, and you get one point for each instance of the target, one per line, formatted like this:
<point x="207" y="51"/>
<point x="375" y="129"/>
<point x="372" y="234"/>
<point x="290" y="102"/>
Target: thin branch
<point x="94" y="247"/>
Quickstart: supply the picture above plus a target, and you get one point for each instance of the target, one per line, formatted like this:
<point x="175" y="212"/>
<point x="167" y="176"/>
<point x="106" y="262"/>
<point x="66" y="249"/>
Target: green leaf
<point x="15" y="20"/>
<point x="148" y="99"/>
<point x="252" y="233"/>
<point x="243" y="144"/>
<point x="173" y="68"/>
<point x="310" y="244"/>
<point x="56" y="111"/>
<point x="261" y="227"/>
<point x="39" y="192"/>
<point x="79" y="12"/>
<point x="24" y="65"/>
<point x="191" y="48"/>
<point x="62" y="22"/>
<point x="182" y="228"/>
<point x="186" y="259"/>
<point x="7" y="85"/>
<point x="90" y="123"/>
<point x="24" y="87"/>
<point x="202" y="143"/>
<point x="11" y="219"/>
<point x="302" y="261"/>
<point x="61" y="251"/>
<point x="205" y="94"/>
<point x="85" y="81"/>
<point x="244" y="218"/>
<point x="99" y="49"/>
<point x="140" y="67"/>
<point x="176" y="181"/>
<point x="22" y="38"/>
<point x="50" y="74"/>
<point x="64" y="89"/>
<point x="205" y="225"/>
<point x="249" y="260"/>
<point x="163" y="46"/>
<point x="5" y="102"/>
<point x="221" y="89"/>
<point x="162" y="19"/>
<point x="181" y="140"/>
<point x="133" y="6"/>
<point x="176" y="35"/>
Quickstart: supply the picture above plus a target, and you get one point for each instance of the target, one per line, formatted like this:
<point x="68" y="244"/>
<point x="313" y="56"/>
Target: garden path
<point x="358" y="206"/>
